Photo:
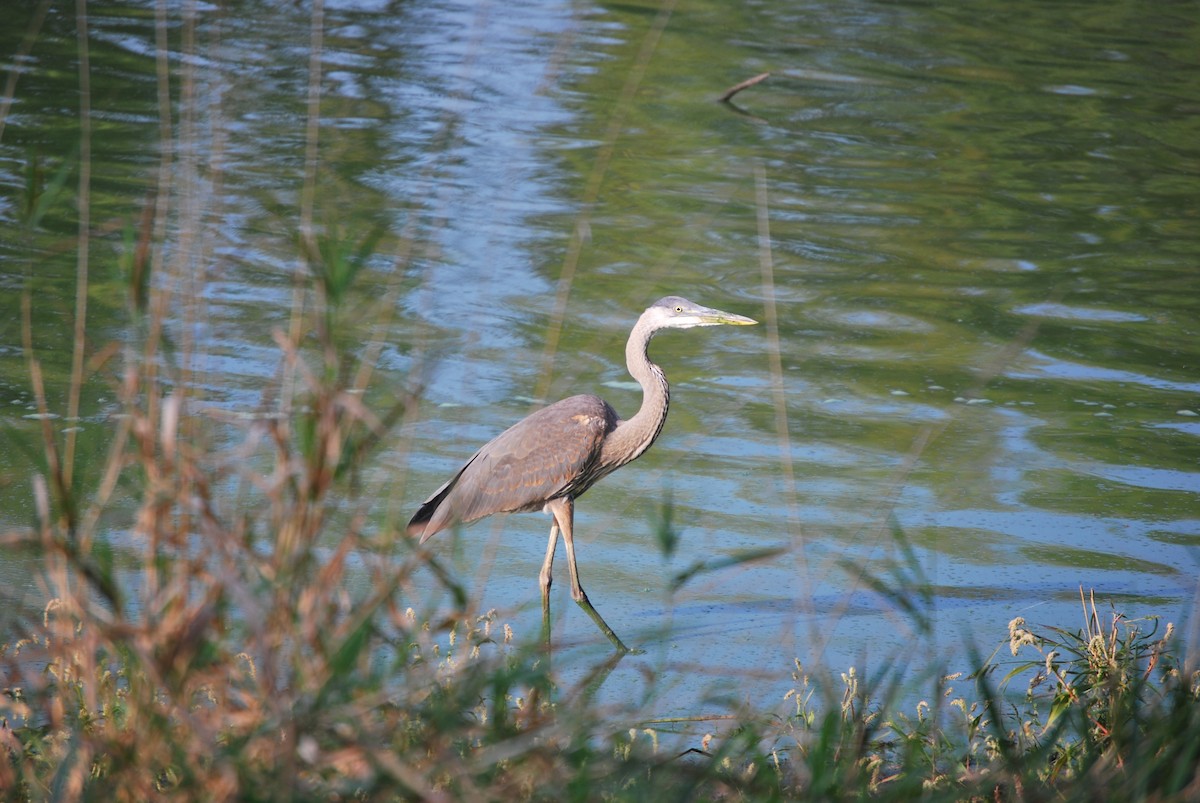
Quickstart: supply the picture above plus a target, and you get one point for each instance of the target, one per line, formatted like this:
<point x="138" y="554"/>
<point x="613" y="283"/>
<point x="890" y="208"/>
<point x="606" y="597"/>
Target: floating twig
<point x="736" y="88"/>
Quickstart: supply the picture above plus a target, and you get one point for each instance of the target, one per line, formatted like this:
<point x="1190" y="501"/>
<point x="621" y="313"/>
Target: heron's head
<point x="674" y="312"/>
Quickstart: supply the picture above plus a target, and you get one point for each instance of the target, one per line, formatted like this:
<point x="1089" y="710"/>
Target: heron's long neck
<point x="634" y="435"/>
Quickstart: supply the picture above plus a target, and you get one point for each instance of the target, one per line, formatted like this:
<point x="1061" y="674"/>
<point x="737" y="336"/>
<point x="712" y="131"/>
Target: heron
<point x="551" y="457"/>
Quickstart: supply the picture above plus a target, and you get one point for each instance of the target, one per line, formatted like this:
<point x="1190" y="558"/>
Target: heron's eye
<point x="679" y="309"/>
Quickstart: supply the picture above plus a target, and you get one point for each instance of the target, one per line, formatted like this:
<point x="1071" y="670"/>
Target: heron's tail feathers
<point x="432" y="517"/>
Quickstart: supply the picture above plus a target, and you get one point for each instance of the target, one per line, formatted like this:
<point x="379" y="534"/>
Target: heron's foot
<point x="586" y="604"/>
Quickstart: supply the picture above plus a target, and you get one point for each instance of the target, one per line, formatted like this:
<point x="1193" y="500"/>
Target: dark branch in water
<point x="736" y="88"/>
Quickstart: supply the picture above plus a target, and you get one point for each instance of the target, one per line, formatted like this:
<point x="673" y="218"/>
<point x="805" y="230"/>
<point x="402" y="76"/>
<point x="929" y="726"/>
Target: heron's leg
<point x="546" y="578"/>
<point x="564" y="514"/>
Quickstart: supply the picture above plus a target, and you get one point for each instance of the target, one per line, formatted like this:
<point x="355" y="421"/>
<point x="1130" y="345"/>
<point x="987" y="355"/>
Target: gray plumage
<point x="551" y="457"/>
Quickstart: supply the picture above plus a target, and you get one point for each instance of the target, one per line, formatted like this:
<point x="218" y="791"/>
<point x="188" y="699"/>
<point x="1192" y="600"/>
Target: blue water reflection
<point x="980" y="271"/>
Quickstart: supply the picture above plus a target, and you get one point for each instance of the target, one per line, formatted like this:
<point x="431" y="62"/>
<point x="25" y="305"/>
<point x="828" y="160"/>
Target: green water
<point x="980" y="290"/>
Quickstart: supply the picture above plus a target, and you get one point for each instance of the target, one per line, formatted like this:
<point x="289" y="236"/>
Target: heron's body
<point x="553" y="453"/>
<point x="551" y="457"/>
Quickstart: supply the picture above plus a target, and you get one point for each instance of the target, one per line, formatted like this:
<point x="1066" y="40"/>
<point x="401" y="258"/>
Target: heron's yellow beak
<point x="716" y="317"/>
